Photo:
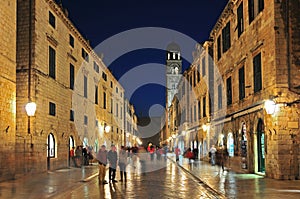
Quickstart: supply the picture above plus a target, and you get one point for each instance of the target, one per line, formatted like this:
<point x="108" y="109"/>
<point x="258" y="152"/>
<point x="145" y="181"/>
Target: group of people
<point x="110" y="157"/>
<point x="81" y="155"/>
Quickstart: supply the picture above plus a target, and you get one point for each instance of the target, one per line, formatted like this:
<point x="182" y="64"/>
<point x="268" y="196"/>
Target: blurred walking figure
<point x="123" y="155"/>
<point x="112" y="157"/>
<point x="78" y="156"/>
<point x="177" y="153"/>
<point x="102" y="160"/>
<point x="72" y="156"/>
<point x="212" y="152"/>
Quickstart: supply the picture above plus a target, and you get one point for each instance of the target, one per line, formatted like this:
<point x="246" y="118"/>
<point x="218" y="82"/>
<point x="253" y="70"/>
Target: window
<point x="104" y="76"/>
<point x="198" y="73"/>
<point x="241" y="83"/>
<point x="219" y="96"/>
<point x="96" y="94"/>
<point x="254" y="8"/>
<point x="104" y="100"/>
<point x="96" y="123"/>
<point x="71" y="40"/>
<point x="219" y="47"/>
<point x="85" y="120"/>
<point x="199" y="109"/>
<point x="51" y="19"/>
<point x="52" y="62"/>
<point x="51" y="146"/>
<point x="52" y="109"/>
<point x="257" y="73"/>
<point x="117" y="109"/>
<point x="72" y="76"/>
<point x="121" y="111"/>
<point x="229" y="91"/>
<point x="203" y="67"/>
<point x="204" y="106"/>
<point x="240" y="19"/>
<point x="111" y="105"/>
<point x="84" y="55"/>
<point x="96" y="67"/>
<point x="111" y="84"/>
<point x="85" y="84"/>
<point x="195" y="113"/>
<point x="117" y="89"/>
<point x="71" y="115"/>
<point x="226" y="37"/>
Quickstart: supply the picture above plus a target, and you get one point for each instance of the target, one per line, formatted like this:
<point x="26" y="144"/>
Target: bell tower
<point x="173" y="71"/>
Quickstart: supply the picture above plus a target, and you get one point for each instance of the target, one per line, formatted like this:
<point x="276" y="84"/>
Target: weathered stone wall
<point x="266" y="34"/>
<point x="7" y="88"/>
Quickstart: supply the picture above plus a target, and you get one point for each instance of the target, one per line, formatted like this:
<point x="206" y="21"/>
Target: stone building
<point x="8" y="20"/>
<point x="76" y="96"/>
<point x="131" y="131"/>
<point x="252" y="88"/>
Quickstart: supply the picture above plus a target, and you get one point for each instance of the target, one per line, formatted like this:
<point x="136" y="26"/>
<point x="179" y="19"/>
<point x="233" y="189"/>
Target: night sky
<point x="98" y="20"/>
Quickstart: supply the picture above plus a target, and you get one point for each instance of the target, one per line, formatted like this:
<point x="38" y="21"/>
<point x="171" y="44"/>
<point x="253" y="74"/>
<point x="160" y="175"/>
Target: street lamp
<point x="270" y="106"/>
<point x="30" y="108"/>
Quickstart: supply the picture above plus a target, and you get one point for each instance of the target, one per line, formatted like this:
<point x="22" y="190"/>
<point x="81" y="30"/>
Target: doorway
<point x="260" y="147"/>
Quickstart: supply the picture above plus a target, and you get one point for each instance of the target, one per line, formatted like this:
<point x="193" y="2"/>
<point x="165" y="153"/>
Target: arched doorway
<point x="51" y="149"/>
<point x="71" y="145"/>
<point x="260" y="147"/>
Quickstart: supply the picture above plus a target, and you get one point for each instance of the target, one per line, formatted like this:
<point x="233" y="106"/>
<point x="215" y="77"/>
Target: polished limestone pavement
<point x="157" y="179"/>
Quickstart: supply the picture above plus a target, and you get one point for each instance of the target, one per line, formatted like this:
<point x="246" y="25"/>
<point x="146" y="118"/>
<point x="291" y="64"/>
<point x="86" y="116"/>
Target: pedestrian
<point x="212" y="152"/>
<point x="123" y="155"/>
<point x="223" y="156"/>
<point x="85" y="156"/>
<point x="112" y="157"/>
<point x="189" y="154"/>
<point x="177" y="153"/>
<point x="102" y="160"/>
<point x="78" y="156"/>
<point x="72" y="156"/>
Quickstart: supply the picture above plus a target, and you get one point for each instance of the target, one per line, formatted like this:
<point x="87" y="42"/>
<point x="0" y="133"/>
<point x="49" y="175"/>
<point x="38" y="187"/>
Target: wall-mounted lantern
<point x="270" y="106"/>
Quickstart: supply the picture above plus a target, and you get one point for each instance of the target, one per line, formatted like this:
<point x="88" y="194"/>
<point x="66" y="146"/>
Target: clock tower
<point x="173" y="71"/>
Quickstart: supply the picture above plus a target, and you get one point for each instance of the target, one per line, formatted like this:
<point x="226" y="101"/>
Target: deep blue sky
<point x="98" y="20"/>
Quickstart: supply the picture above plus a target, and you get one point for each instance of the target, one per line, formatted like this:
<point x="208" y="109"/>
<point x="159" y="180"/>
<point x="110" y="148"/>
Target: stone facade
<point x="254" y="48"/>
<point x="46" y="60"/>
<point x="8" y="22"/>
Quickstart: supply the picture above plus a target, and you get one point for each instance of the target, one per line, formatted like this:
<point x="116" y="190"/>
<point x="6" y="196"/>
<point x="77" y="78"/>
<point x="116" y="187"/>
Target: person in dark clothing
<point x="112" y="157"/>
